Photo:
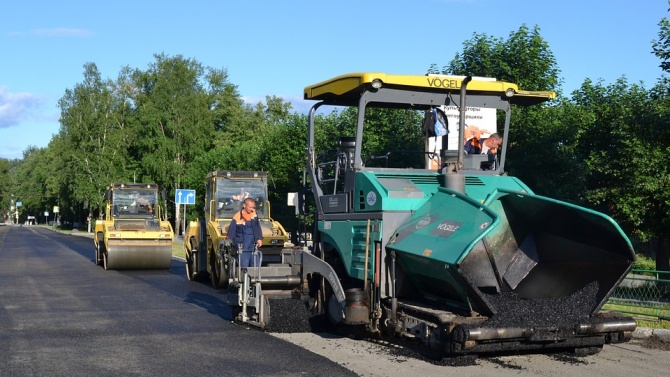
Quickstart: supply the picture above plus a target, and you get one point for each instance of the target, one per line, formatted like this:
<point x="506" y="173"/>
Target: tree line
<point x="603" y="146"/>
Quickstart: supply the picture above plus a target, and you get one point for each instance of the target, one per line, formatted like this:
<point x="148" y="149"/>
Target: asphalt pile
<point x="292" y="315"/>
<point x="515" y="311"/>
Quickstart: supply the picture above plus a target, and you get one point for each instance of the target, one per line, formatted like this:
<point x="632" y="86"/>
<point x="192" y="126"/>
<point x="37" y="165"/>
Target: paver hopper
<point x="520" y="268"/>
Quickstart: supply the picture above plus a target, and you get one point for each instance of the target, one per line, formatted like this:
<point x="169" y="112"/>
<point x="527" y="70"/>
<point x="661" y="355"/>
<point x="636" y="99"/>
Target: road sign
<point x="184" y="196"/>
<point x="19" y="204"/>
<point x="56" y="209"/>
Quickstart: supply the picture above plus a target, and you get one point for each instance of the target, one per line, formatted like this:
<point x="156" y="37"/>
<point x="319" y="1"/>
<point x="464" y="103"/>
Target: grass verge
<point x="178" y="248"/>
<point x="644" y="316"/>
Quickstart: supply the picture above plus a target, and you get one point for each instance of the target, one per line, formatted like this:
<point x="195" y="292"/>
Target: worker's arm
<point x="232" y="230"/>
<point x="258" y="233"/>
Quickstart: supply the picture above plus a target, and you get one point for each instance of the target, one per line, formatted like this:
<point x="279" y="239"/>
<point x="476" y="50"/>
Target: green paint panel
<point x="431" y="243"/>
<point x="407" y="191"/>
<point x="444" y="229"/>
<point x="349" y="237"/>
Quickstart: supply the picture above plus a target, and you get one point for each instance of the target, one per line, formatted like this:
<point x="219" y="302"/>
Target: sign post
<point x="185" y="197"/>
<point x="18" y="204"/>
<point x="56" y="211"/>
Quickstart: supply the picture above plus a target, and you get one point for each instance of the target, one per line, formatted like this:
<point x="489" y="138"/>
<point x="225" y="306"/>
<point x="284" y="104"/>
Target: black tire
<point x="193" y="272"/>
<point x="98" y="255"/>
<point x="104" y="260"/>
<point x="219" y="273"/>
<point x="190" y="274"/>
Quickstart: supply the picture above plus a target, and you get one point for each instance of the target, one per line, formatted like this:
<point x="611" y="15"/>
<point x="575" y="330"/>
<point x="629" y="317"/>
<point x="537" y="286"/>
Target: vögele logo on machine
<point x="371" y="198"/>
<point x="443" y="83"/>
<point x="423" y="222"/>
<point x="446" y="228"/>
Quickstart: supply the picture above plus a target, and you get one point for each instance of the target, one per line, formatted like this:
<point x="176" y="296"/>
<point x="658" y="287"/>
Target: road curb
<point x="646" y="333"/>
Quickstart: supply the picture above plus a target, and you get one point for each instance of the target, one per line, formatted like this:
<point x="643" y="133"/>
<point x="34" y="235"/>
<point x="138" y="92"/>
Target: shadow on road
<point x="214" y="305"/>
<point x="172" y="281"/>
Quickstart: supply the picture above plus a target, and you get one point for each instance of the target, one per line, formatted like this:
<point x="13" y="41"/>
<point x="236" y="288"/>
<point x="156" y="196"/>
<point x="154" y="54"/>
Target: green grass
<point x="644" y="316"/>
<point x="178" y="249"/>
<point x="656" y="324"/>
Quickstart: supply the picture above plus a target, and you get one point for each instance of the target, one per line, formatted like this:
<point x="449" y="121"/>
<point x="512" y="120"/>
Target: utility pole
<point x="17" y="204"/>
<point x="12" y="208"/>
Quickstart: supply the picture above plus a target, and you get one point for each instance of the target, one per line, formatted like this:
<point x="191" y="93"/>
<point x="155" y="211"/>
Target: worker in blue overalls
<point x="245" y="233"/>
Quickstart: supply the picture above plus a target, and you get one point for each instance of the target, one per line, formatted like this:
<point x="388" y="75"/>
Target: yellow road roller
<point x="206" y="246"/>
<point x="134" y="233"/>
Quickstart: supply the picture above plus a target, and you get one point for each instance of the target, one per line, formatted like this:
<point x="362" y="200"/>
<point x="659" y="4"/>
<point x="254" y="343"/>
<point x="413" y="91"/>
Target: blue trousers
<point x="247" y="259"/>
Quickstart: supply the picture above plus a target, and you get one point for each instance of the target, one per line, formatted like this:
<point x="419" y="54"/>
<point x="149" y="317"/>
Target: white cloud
<point x="17" y="107"/>
<point x="63" y="32"/>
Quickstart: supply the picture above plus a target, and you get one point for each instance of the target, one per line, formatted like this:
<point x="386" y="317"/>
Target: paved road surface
<point x="62" y="315"/>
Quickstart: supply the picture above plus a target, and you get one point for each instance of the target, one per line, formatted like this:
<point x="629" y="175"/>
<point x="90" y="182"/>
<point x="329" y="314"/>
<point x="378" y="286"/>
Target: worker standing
<point x="245" y="233"/>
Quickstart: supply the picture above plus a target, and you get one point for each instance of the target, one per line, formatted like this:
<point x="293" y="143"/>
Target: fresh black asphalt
<point x="61" y="315"/>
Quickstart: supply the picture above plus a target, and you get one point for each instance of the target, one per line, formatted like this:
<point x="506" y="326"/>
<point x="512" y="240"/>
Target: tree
<point x="29" y="177"/>
<point x="179" y="105"/>
<point x="283" y="157"/>
<point x="661" y="47"/>
<point x="8" y="188"/>
<point x="624" y="151"/>
<point x="526" y="60"/>
<point x="173" y="121"/>
<point x="5" y="190"/>
<point x="229" y="113"/>
<point x="94" y="138"/>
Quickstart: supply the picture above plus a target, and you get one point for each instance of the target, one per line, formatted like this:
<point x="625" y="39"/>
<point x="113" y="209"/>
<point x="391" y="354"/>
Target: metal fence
<point x="643" y="294"/>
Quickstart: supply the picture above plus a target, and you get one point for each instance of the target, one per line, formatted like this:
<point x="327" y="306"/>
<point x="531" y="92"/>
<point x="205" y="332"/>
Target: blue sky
<point x="277" y="47"/>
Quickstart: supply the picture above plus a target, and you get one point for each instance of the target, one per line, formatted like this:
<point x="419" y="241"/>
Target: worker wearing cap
<point x="245" y="233"/>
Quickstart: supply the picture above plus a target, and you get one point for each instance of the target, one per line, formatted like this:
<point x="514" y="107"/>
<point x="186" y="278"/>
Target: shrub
<point x="644" y="263"/>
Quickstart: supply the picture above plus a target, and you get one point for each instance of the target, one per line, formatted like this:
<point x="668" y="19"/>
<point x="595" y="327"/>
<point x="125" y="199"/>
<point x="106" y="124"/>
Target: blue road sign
<point x="184" y="196"/>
